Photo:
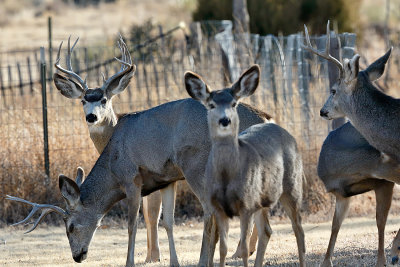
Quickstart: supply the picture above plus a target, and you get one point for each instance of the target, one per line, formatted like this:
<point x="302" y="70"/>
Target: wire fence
<point x="294" y="86"/>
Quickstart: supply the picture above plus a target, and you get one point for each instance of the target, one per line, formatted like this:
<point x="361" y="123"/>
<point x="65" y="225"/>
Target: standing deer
<point x="348" y="165"/>
<point x="249" y="171"/>
<point x="374" y="114"/>
<point x="147" y="151"/>
<point x="101" y="120"/>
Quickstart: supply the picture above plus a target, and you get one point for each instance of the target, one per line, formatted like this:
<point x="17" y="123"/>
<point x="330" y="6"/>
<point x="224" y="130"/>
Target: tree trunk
<point x="241" y="17"/>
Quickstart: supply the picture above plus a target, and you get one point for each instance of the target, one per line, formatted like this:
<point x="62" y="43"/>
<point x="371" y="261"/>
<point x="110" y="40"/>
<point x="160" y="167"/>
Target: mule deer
<point x="101" y="120"/>
<point x="373" y="113"/>
<point x="348" y="165"/>
<point x="249" y="171"/>
<point x="147" y="151"/>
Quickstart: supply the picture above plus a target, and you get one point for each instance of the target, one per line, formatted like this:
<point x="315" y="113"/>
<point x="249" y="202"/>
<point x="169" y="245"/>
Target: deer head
<point x="97" y="102"/>
<point x="350" y="79"/>
<point x="221" y="104"/>
<point x="80" y="220"/>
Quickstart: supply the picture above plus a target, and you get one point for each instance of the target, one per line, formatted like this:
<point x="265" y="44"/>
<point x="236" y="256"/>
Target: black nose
<point x="395" y="259"/>
<point x="91" y="118"/>
<point x="323" y="113"/>
<point x="81" y="257"/>
<point x="224" y="121"/>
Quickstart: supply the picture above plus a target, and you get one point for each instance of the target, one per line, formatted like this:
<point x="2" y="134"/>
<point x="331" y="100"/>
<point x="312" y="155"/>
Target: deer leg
<point x="252" y="246"/>
<point x="151" y="213"/>
<point x="291" y="204"/>
<point x="213" y="242"/>
<point x="264" y="234"/>
<point x="207" y="236"/>
<point x="383" y="201"/>
<point x="223" y="228"/>
<point x="246" y="223"/>
<point x="341" y="209"/>
<point x="133" y="197"/>
<point x="168" y="201"/>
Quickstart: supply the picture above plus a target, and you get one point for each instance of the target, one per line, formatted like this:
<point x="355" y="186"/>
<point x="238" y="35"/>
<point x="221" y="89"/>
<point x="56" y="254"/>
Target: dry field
<point x="48" y="246"/>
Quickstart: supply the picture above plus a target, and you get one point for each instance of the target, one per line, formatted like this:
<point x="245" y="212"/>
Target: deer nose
<point x="81" y="257"/>
<point x="91" y="118"/>
<point x="323" y="113"/>
<point x="395" y="259"/>
<point x="224" y="121"/>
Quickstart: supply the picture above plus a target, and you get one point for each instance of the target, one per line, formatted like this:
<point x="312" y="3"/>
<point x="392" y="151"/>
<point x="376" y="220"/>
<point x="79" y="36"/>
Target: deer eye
<point x="103" y="101"/>
<point x="211" y="106"/>
<point x="83" y="102"/>
<point x="333" y="91"/>
<point x="71" y="228"/>
<point x="234" y="104"/>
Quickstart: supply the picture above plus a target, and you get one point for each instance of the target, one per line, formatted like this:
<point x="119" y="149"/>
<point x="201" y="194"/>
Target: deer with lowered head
<point x="147" y="151"/>
<point x="101" y="120"/>
<point x="366" y="152"/>
<point x="250" y="171"/>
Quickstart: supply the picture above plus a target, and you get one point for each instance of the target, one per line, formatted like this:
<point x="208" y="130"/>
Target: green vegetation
<point x="286" y="16"/>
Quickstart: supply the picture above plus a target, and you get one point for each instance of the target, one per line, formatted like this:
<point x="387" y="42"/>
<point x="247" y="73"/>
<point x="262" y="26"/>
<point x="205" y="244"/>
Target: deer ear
<point x="247" y="83"/>
<point x="196" y="87"/>
<point x="376" y="69"/>
<point x="69" y="190"/>
<point x="80" y="176"/>
<point x="351" y="68"/>
<point x="67" y="87"/>
<point x="118" y="83"/>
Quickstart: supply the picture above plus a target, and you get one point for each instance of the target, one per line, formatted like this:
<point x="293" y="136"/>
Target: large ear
<point x="69" y="190"/>
<point x="196" y="87"/>
<point x="80" y="176"/>
<point x="376" y="69"/>
<point x="118" y="83"/>
<point x="351" y="68"/>
<point x="247" y="83"/>
<point x="67" y="87"/>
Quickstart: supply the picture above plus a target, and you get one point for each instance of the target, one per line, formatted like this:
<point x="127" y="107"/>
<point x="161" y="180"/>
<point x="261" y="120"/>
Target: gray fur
<point x="249" y="171"/>
<point x="154" y="153"/>
<point x="348" y="165"/>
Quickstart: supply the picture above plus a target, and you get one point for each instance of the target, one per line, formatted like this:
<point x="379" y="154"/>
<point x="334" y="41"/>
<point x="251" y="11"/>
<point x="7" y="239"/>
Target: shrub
<point x="285" y="16"/>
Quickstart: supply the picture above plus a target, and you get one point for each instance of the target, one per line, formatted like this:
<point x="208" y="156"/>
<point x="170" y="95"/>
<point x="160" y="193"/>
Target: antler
<point x="69" y="71"/>
<point x="326" y="53"/>
<point x="126" y="62"/>
<point x="46" y="209"/>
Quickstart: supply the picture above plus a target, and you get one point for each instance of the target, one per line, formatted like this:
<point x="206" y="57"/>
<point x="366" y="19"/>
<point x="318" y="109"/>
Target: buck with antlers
<point x="148" y="151"/>
<point x="249" y="171"/>
<point x="101" y="120"/>
<point x="351" y="159"/>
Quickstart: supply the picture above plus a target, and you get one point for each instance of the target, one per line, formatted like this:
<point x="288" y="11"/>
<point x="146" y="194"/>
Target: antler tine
<point x="126" y="61"/>
<point x="69" y="70"/>
<point x="45" y="209"/>
<point x="326" y="55"/>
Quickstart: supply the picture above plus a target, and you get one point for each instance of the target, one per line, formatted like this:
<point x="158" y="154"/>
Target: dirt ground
<point x="48" y="246"/>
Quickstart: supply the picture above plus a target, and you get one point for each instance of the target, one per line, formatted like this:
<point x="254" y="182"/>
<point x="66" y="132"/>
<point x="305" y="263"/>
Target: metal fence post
<point x="50" y="68"/>
<point x="44" y="110"/>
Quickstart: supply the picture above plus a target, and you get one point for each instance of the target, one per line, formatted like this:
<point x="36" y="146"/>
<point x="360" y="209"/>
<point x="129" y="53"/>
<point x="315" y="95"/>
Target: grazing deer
<point x="101" y="120"/>
<point x="147" y="151"/>
<point x="250" y="171"/>
<point x="374" y="114"/>
<point x="348" y="165"/>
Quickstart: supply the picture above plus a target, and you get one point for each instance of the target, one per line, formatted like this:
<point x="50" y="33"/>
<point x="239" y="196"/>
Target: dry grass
<point x="48" y="246"/>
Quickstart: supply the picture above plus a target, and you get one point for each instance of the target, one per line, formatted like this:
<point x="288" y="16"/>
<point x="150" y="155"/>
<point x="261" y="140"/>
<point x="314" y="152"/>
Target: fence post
<point x="44" y="110"/>
<point x="50" y="68"/>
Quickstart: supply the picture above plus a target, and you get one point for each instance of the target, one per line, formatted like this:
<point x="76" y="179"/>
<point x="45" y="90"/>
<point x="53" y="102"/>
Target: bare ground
<point x="48" y="246"/>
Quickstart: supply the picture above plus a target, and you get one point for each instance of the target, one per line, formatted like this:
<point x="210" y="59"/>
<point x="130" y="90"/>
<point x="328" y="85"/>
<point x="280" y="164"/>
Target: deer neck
<point x="101" y="133"/>
<point x="99" y="190"/>
<point x="225" y="156"/>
